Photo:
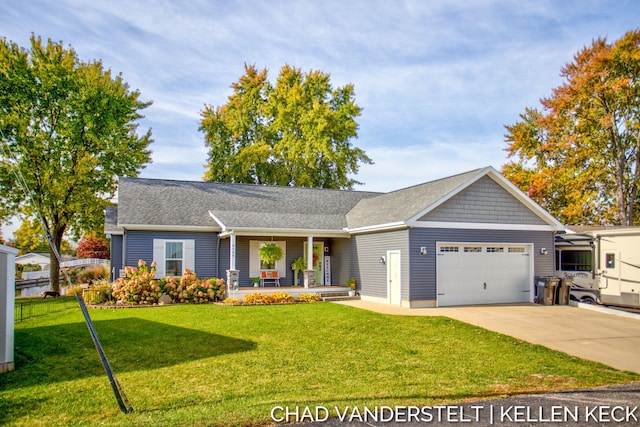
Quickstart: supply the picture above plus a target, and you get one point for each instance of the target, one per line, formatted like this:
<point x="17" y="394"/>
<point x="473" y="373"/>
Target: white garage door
<point x="483" y="273"/>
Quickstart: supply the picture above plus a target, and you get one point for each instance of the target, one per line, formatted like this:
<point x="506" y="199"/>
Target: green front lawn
<point x="203" y="365"/>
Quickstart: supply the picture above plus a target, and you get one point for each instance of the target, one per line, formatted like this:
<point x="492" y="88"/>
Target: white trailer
<point x="604" y="265"/>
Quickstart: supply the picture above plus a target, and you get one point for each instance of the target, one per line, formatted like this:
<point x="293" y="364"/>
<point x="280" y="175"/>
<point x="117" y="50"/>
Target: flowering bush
<point x="309" y="298"/>
<point x="139" y="286"/>
<point x="232" y="301"/>
<point x="189" y="288"/>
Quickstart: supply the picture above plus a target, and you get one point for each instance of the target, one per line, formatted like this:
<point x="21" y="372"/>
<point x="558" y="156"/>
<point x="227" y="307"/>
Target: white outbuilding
<point x="7" y="296"/>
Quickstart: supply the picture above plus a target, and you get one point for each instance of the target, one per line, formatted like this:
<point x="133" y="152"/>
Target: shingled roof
<point x="169" y="204"/>
<point x="189" y="204"/>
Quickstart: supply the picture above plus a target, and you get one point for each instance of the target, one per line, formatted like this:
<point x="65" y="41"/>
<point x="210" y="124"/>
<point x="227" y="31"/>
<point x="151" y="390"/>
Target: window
<point x="517" y="250"/>
<point x="610" y="260"/>
<point x="472" y="249"/>
<point x="448" y="249"/>
<point x="575" y="260"/>
<point x="256" y="264"/>
<point x="173" y="258"/>
<point x="494" y="250"/>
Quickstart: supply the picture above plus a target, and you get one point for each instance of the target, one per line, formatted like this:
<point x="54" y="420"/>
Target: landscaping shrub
<point x="92" y="273"/>
<point x="282" y="298"/>
<point x="139" y="286"/>
<point x="232" y="301"/>
<point x="258" y="298"/>
<point x="309" y="298"/>
<point x="189" y="288"/>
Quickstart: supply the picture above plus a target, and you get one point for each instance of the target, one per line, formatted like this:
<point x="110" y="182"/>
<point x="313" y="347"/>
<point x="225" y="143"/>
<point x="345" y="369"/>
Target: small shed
<point x="7" y="296"/>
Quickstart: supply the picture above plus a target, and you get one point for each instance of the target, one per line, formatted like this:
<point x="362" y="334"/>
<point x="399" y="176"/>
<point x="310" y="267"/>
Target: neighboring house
<point x="472" y="238"/>
<point x="42" y="260"/>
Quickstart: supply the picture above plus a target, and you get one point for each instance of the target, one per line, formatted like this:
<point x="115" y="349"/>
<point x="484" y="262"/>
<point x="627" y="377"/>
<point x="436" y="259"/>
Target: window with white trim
<point x="173" y="256"/>
<point x="492" y="249"/>
<point x="473" y="249"/>
<point x="449" y="249"/>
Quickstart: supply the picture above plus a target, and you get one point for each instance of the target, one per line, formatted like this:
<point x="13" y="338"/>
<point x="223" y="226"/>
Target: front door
<point x="393" y="278"/>
<point x="318" y="264"/>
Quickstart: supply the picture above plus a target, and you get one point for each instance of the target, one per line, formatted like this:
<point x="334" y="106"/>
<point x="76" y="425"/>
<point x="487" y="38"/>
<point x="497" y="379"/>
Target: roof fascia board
<point x="378" y="227"/>
<point x="284" y="232"/>
<point x="483" y="226"/>
<point x="151" y="227"/>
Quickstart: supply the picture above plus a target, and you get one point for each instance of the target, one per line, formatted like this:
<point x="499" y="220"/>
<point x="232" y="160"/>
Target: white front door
<point x="394" y="289"/>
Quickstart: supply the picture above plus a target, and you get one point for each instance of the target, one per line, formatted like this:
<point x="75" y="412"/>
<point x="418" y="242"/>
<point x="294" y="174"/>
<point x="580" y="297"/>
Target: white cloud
<point x="437" y="80"/>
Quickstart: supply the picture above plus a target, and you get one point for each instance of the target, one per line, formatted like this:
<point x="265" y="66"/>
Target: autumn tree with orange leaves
<point x="579" y="156"/>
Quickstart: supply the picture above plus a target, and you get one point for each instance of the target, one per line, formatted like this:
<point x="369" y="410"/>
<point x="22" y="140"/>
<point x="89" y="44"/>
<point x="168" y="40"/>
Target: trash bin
<point x="564" y="290"/>
<point x="546" y="289"/>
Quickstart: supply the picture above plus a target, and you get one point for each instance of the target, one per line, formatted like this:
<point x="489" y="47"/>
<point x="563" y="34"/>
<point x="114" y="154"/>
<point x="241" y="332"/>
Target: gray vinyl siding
<point x="343" y="261"/>
<point x="140" y="247"/>
<point x="423" y="267"/>
<point x="224" y="258"/>
<point x="484" y="201"/>
<point x="371" y="273"/>
<point x="115" y="248"/>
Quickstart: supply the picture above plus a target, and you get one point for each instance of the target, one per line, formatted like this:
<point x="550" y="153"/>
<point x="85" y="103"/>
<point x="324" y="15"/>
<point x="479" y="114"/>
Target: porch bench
<point x="269" y="276"/>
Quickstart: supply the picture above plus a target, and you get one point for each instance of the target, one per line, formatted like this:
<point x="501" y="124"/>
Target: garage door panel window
<point x="449" y="249"/>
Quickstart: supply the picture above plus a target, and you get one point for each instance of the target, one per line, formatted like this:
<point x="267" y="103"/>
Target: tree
<point x="296" y="133"/>
<point x="69" y="129"/>
<point x="580" y="156"/>
<point x="30" y="237"/>
<point x="91" y="246"/>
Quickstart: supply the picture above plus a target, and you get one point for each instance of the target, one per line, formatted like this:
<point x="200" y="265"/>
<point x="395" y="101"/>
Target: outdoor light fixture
<point x="543" y="251"/>
<point x="423" y="250"/>
<point x="382" y="260"/>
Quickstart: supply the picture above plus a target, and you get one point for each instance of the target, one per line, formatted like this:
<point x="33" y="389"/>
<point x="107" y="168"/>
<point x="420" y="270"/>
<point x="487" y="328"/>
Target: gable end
<point x="484" y="201"/>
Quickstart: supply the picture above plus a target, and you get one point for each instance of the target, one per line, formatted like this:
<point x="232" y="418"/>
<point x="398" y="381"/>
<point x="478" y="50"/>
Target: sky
<point x="437" y="79"/>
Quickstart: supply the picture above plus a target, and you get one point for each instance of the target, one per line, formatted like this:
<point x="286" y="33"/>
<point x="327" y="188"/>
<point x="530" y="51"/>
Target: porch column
<point x="232" y="251"/>
<point x="233" y="275"/>
<point x="309" y="274"/>
<point x="310" y="253"/>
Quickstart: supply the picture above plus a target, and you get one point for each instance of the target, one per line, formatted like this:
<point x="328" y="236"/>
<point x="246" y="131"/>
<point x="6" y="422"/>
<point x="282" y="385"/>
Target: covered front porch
<point x="307" y="264"/>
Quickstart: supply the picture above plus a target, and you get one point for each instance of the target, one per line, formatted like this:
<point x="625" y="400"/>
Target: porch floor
<point x="324" y="291"/>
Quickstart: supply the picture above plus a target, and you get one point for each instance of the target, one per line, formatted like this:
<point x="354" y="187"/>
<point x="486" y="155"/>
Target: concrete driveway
<point x="587" y="332"/>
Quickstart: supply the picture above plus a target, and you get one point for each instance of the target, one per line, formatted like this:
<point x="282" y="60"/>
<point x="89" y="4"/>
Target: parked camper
<point x="604" y="265"/>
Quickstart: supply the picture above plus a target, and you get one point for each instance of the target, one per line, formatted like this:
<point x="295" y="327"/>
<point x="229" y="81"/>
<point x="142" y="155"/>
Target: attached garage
<point x="483" y="273"/>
